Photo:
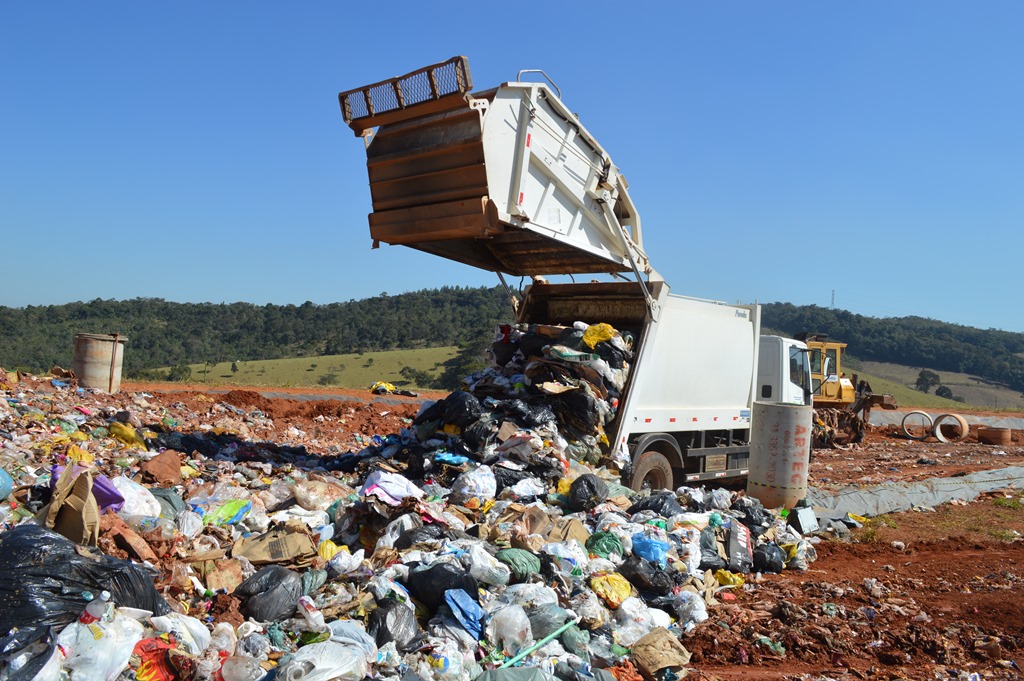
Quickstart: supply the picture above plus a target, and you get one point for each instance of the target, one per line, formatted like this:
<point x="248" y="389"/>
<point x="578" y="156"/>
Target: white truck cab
<point x="783" y="371"/>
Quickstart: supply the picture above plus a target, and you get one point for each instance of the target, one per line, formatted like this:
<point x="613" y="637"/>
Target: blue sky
<point x="776" y="151"/>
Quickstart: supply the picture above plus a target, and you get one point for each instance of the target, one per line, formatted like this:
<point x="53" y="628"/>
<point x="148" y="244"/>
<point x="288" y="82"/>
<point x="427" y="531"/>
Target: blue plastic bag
<point x="651" y="549"/>
<point x="467" y="611"/>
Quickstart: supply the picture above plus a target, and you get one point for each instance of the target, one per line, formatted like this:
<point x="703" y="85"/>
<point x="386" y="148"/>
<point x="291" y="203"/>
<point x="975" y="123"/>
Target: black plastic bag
<point x="664" y="504"/>
<point x="434" y="412"/>
<point x="709" y="556"/>
<point x="526" y="415"/>
<point x="616" y="358"/>
<point x="394" y="621"/>
<point x="271" y="594"/>
<point x="480" y="433"/>
<point x="420" y="534"/>
<point x="428" y="585"/>
<point x="572" y="338"/>
<point x="646" y="577"/>
<point x="754" y="514"/>
<point x="507" y="477"/>
<point x="503" y="352"/>
<point x="769" y="558"/>
<point x="461" y="409"/>
<point x="586" y="492"/>
<point x="43" y="579"/>
<point x="187" y="443"/>
<point x="576" y="410"/>
<point x="533" y="344"/>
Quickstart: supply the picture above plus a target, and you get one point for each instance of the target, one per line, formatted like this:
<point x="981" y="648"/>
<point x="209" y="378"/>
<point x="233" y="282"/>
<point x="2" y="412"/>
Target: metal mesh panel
<point x="423" y="85"/>
<point x="415" y="88"/>
<point x="355" y="105"/>
<point x="383" y="97"/>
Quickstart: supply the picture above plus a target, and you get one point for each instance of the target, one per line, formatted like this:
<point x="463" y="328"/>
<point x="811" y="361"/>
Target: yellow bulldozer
<point x="842" y="404"/>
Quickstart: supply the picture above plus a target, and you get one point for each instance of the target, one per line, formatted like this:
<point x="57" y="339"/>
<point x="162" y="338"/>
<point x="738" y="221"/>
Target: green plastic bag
<point x="521" y="562"/>
<point x="603" y="544"/>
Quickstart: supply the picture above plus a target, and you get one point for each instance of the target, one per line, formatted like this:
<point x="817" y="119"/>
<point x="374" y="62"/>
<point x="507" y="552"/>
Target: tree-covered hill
<point x="994" y="355"/>
<point x="163" y="333"/>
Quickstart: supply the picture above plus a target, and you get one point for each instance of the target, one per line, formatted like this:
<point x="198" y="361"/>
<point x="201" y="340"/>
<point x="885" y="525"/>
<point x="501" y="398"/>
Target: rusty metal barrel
<point x="97" y="360"/>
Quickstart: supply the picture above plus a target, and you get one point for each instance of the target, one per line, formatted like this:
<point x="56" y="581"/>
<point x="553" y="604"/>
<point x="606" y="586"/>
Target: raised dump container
<point x="97" y="360"/>
<point x="506" y="179"/>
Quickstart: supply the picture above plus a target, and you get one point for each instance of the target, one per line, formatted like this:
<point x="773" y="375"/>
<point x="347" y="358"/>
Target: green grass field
<point x="353" y="371"/>
<point x="898" y="380"/>
<point x="358" y="371"/>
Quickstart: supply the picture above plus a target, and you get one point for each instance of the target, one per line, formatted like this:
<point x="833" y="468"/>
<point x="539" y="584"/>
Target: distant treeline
<point x="994" y="355"/>
<point x="163" y="334"/>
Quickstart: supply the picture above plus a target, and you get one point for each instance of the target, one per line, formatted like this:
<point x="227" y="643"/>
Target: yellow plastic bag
<point x="126" y="435"/>
<point x="79" y="455"/>
<point x="598" y="333"/>
<point x="612" y="587"/>
<point x="726" y="578"/>
<point x="327" y="549"/>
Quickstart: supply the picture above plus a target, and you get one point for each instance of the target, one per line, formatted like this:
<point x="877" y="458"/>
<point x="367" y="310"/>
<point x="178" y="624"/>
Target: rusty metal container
<point x="994" y="436"/>
<point x="97" y="360"/>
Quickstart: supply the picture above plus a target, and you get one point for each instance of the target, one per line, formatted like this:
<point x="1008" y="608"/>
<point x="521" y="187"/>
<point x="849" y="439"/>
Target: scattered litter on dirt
<point x="235" y="536"/>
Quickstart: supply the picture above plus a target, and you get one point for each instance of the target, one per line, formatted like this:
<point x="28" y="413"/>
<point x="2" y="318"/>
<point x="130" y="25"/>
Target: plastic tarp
<point x="895" y="497"/>
<point x="515" y="674"/>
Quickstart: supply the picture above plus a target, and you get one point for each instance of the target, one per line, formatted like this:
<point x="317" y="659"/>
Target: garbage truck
<point x="509" y="180"/>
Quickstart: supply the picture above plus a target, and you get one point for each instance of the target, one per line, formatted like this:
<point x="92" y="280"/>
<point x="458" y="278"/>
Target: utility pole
<point x="833" y="299"/>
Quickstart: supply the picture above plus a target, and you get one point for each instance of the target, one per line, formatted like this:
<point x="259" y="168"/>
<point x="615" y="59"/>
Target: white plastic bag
<point x="391" y="488"/>
<point x="478" y="483"/>
<point x="188" y="630"/>
<point x="352" y="632"/>
<point x="446" y="660"/>
<point x="484" y="567"/>
<point x="325" y="661"/>
<point x="312" y="519"/>
<point x="137" y="499"/>
<point x="592" y="612"/>
<point x="571" y="555"/>
<point x="509" y="628"/>
<point x="99" y="651"/>
<point x="344" y="562"/>
<point x="190" y="524"/>
<point x="396" y="528"/>
<point x="530" y="595"/>
<point x="633" y="621"/>
<point x="690" y="608"/>
<point x="316" y="495"/>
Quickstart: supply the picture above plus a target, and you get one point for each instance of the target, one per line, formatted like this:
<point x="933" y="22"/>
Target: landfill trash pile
<point x="484" y="535"/>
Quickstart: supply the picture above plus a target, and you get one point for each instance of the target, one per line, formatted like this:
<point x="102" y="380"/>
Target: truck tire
<point x="652" y="470"/>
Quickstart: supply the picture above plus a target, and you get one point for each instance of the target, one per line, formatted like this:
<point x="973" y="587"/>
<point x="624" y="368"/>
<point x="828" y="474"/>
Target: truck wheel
<point x="653" y="471"/>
